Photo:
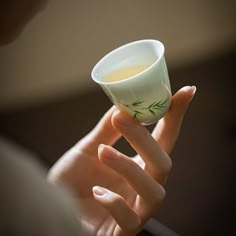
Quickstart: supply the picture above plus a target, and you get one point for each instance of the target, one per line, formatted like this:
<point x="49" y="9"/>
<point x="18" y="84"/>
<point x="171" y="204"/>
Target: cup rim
<point x="120" y="48"/>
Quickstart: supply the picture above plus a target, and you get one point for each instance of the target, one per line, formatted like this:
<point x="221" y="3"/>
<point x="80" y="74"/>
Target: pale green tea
<point x="124" y="73"/>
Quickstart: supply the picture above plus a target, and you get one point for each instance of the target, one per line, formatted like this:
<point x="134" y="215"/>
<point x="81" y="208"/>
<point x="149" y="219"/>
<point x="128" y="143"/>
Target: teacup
<point x="135" y="78"/>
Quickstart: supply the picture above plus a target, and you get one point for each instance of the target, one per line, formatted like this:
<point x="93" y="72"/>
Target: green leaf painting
<point x="139" y="109"/>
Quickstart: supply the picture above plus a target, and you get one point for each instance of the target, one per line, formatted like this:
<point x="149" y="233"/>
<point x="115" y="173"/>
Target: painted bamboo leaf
<point x="138" y="108"/>
<point x="152" y="112"/>
<point x="138" y="112"/>
<point x="164" y="102"/>
<point x="160" y="104"/>
<point x="137" y="103"/>
<point x="150" y="106"/>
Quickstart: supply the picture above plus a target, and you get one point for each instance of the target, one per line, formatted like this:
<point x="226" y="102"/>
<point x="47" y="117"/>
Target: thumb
<point x="167" y="130"/>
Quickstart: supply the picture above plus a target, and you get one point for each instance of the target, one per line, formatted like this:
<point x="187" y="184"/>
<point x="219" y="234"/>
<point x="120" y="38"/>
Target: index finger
<point x="157" y="162"/>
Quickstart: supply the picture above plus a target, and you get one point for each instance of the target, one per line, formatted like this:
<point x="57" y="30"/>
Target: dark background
<point x="199" y="191"/>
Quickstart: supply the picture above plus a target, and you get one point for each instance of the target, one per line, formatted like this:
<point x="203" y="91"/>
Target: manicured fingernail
<point x="99" y="191"/>
<point x="194" y="88"/>
<point x="123" y="118"/>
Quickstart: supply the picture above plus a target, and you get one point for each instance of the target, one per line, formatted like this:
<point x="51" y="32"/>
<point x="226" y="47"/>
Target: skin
<point x="115" y="194"/>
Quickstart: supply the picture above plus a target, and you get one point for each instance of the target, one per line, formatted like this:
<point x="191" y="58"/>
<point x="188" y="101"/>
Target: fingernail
<point x="123" y="118"/>
<point x="105" y="153"/>
<point x="99" y="191"/>
<point x="194" y="88"/>
<point x="100" y="148"/>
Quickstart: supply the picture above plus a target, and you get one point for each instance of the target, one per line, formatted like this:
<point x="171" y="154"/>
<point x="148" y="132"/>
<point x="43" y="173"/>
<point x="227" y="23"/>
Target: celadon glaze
<point x="147" y="95"/>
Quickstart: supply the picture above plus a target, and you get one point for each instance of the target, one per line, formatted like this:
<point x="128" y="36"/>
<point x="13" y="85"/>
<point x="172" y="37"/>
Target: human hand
<point x="116" y="195"/>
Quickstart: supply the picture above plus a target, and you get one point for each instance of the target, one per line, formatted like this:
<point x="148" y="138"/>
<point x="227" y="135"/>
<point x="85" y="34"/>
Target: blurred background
<point x="48" y="100"/>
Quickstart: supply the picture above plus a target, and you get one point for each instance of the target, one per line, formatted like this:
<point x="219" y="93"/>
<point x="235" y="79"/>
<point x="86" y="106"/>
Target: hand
<point x="116" y="195"/>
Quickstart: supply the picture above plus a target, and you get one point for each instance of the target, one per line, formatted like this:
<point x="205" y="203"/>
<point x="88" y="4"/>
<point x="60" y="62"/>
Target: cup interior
<point x="142" y="52"/>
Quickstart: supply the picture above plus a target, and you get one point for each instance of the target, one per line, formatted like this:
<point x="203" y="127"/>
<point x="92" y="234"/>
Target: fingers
<point x="103" y="132"/>
<point x="147" y="197"/>
<point x="157" y="162"/>
<point x="167" y="130"/>
<point x="153" y="149"/>
<point x="146" y="187"/>
<point x="124" y="215"/>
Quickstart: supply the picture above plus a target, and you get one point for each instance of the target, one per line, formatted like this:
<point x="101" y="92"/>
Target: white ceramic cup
<point x="145" y="96"/>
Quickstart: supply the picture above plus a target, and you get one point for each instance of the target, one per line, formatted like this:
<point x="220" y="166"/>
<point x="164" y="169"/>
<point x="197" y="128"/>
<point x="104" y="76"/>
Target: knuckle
<point x="162" y="194"/>
<point x="163" y="170"/>
<point x="167" y="164"/>
<point x="158" y="197"/>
